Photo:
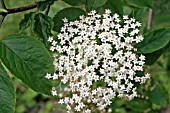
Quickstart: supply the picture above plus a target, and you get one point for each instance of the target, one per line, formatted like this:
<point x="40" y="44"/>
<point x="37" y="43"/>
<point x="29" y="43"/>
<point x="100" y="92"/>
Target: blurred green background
<point x="30" y="102"/>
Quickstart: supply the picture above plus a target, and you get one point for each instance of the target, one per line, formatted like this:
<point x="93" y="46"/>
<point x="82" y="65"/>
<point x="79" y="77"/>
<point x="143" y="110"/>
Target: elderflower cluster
<point x="95" y="57"/>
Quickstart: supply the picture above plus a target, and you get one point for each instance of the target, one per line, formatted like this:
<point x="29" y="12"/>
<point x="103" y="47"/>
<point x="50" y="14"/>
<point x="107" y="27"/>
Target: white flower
<point x="108" y="11"/>
<point x="50" y="39"/>
<point x="68" y="107"/>
<point x="55" y="76"/>
<point x="65" y="20"/>
<point x="77" y="108"/>
<point x="52" y="48"/>
<point x="61" y="101"/>
<point x="54" y="92"/>
<point x="147" y="75"/>
<point x="125" y="17"/>
<point x="54" y="43"/>
<point x="87" y="111"/>
<point x="109" y="110"/>
<point x="48" y="76"/>
<point x="60" y="95"/>
<point x="142" y="57"/>
<point x="97" y="49"/>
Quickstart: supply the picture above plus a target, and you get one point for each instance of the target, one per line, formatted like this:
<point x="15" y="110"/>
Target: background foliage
<point x="33" y="27"/>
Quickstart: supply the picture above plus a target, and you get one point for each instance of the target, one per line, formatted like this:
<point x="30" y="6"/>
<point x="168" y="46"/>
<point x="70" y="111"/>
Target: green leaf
<point x="70" y="13"/>
<point x="26" y="22"/>
<point x="127" y="10"/>
<point x="42" y="5"/>
<point x="153" y="111"/>
<point x="74" y="2"/>
<point x="138" y="104"/>
<point x="98" y="3"/>
<point x="140" y="3"/>
<point x="42" y="26"/>
<point x="158" y="95"/>
<point x="116" y="6"/>
<point x="3" y="10"/>
<point x="161" y="20"/>
<point x="154" y="40"/>
<point x="152" y="57"/>
<point x="93" y="4"/>
<point x="120" y="110"/>
<point x="28" y="60"/>
<point x="7" y="92"/>
<point x="141" y="14"/>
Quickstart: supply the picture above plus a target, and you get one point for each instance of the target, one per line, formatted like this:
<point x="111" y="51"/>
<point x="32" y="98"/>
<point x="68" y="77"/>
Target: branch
<point x="20" y="9"/>
<point x="2" y="19"/>
<point x="15" y="10"/>
<point x="3" y="4"/>
<point x="150" y="19"/>
<point x="47" y="9"/>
